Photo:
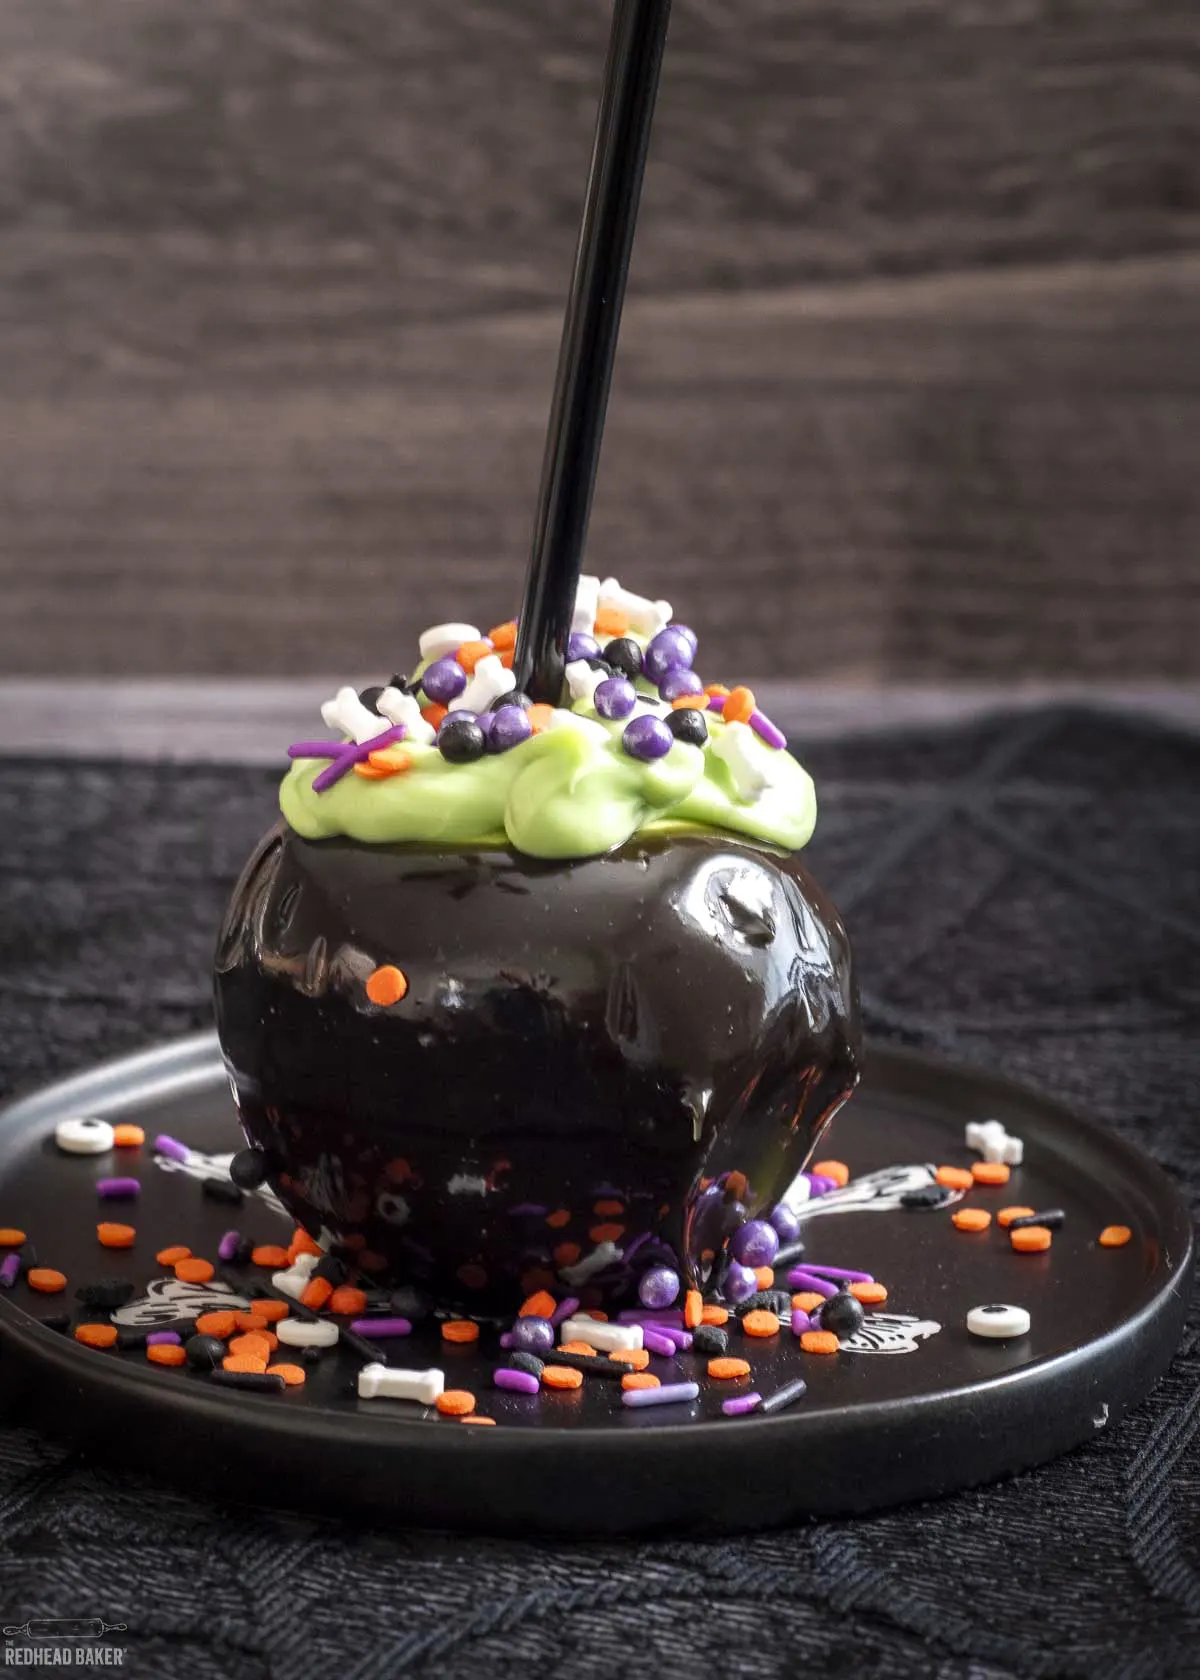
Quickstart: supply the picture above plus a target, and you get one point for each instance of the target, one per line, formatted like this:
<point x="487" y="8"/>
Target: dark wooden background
<point x="910" y="380"/>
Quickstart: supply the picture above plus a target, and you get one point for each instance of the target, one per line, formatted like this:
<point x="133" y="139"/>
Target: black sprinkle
<point x="784" y="1396"/>
<point x="1053" y="1219"/>
<point x="778" y="1301"/>
<point x="526" y="1362"/>
<point x="369" y="1352"/>
<point x="222" y="1190"/>
<point x="587" y="1362"/>
<point x="243" y="1251"/>
<point x="108" y="1293"/>
<point x="57" y="1321"/>
<point x="310" y="1355"/>
<point x="29" y="1260"/>
<point x="263" y="1382"/>
<point x="331" y="1269"/>
<point x="131" y="1338"/>
<point x="787" y="1253"/>
<point x="928" y="1196"/>
<point x="710" y="1339"/>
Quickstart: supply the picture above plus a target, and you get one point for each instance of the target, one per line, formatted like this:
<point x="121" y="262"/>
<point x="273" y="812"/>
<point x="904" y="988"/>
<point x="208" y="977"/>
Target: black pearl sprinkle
<point x="710" y="1339"/>
<point x="843" y="1313"/>
<point x="625" y="654"/>
<point x="687" y="723"/>
<point x="222" y="1190"/>
<point x="248" y="1169"/>
<point x="203" y="1352"/>
<point x="460" y="740"/>
<point x="526" y="1362"/>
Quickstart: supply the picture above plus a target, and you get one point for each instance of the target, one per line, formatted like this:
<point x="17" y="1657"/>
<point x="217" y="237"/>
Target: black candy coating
<point x="842" y="1313"/>
<point x="687" y="723"/>
<point x="624" y="655"/>
<point x="656" y="1027"/>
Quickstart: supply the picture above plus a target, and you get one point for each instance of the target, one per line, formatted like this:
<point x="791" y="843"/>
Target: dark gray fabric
<point x="1024" y="894"/>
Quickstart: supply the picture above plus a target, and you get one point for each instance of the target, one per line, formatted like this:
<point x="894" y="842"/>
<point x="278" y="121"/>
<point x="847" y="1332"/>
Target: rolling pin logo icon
<point x="67" y="1627"/>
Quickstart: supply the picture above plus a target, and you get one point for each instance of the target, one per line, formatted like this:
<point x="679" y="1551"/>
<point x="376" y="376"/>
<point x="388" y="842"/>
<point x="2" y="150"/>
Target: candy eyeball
<point x="392" y="1208"/>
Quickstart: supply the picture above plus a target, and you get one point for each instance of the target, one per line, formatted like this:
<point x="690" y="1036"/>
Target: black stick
<point x="589" y="343"/>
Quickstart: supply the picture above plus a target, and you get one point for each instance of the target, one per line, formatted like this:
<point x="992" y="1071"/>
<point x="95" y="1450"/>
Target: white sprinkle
<point x="998" y="1322"/>
<point x="84" y="1137"/>
<point x="398" y="707"/>
<point x="587" y="600"/>
<point x="302" y="1332"/>
<point x="489" y="681"/>
<point x="602" y="1255"/>
<point x="441" y="639"/>
<point x="739" y="747"/>
<point x="645" y="616"/>
<point x="989" y="1139"/>
<point x="347" y="713"/>
<point x="293" y="1282"/>
<point x="582" y="681"/>
<point x="606" y="1336"/>
<point x="388" y="1382"/>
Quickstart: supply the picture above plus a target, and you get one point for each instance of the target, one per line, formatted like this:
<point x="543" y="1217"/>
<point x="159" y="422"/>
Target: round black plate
<point x="914" y="1407"/>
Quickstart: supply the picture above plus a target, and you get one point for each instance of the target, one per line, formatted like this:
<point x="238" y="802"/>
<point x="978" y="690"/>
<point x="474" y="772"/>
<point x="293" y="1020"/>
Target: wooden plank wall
<point x="910" y="381"/>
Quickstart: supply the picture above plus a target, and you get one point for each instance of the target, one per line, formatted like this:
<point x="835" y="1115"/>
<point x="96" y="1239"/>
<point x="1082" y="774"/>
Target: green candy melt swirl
<point x="571" y="791"/>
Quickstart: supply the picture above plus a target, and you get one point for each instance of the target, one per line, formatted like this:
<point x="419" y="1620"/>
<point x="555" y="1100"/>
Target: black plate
<point x="918" y="1408"/>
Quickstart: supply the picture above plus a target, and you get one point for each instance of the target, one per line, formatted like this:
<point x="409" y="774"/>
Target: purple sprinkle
<point x="582" y="646"/>
<point x="506" y="1340"/>
<point x="172" y="1148"/>
<point x="766" y="730"/>
<point x="527" y="1210"/>
<point x="376" y="1328"/>
<point x="740" y="1282"/>
<point x="444" y="680"/>
<point x="839" y="1272"/>
<point x="756" y="1243"/>
<point x="677" y="683"/>
<point x="163" y="1338"/>
<point x="659" y="1287"/>
<point x="799" y="1278"/>
<point x="532" y="1334"/>
<point x="316" y="749"/>
<point x="819" y="1185"/>
<point x="800" y="1322"/>
<point x="10" y="1270"/>
<point x="650" y="1315"/>
<point x="117" y="1189"/>
<point x="647" y="737"/>
<point x="785" y="1222"/>
<point x="716" y="702"/>
<point x="228" y="1245"/>
<point x="510" y="726"/>
<point x="655" y="1342"/>
<point x="741" y="1404"/>
<point x="521" y="1382"/>
<point x="564" y="1310"/>
<point x="668" y="1394"/>
<point x="615" y="697"/>
<point x="669" y="650"/>
<point x="682" y="1339"/>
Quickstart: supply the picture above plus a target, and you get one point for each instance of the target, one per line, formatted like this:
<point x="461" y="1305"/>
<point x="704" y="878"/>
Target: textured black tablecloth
<point x="1024" y="894"/>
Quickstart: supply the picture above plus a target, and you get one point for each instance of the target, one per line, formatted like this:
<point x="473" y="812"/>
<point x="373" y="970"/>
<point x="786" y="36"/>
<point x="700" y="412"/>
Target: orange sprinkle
<point x="372" y="1261"/>
<point x="166" y="1353"/>
<point x="693" y="1308"/>
<point x="475" y="1418"/>
<point x="1030" y="1239"/>
<point x="270" y="1254"/>
<point x="765" y="1276"/>
<point x="387" y="985"/>
<point x="46" y="1280"/>
<point x="254" y="1344"/>
<point x="819" y="1341"/>
<point x="249" y="1321"/>
<point x="460" y="1330"/>
<point x="954" y="1178"/>
<point x="991" y="1172"/>
<point x="561" y="1376"/>
<point x="728" y="1368"/>
<point x="391" y="760"/>
<point x="10" y="1237"/>
<point x="243" y="1362"/>
<point x="434" y="713"/>
<point x="558" y="1219"/>
<point x="219" y="1324"/>
<point x="315" y="1293"/>
<point x="606" y="1233"/>
<point x="636" y="1358"/>
<point x="503" y="636"/>
<point x="506" y="660"/>
<point x="1112" y="1236"/>
<point x="455" y="1402"/>
<point x="838" y="1171"/>
<point x="736" y="1184"/>
<point x="640" y="1379"/>
<point x="128" y="1137"/>
<point x="294" y="1376"/>
<point x="608" y="1209"/>
<point x="970" y="1219"/>
<point x="714" y="1315"/>
<point x="171" y="1256"/>
<point x="716" y="688"/>
<point x="347" y="1301"/>
<point x="760" y="1323"/>
<point x="115" y="1236"/>
<point x="578" y="1347"/>
<point x="609" y="623"/>
<point x="1007" y="1214"/>
<point x="539" y="717"/>
<point x="566" y="1254"/>
<point x="96" y="1335"/>
<point x="740" y="706"/>
<point x="194" y="1271"/>
<point x="870" y="1294"/>
<point x="471" y="1275"/>
<point x="302" y="1243"/>
<point x="470" y="653"/>
<point x="540" y="1305"/>
<point x="807" y="1301"/>
<point x="398" y="1170"/>
<point x="693" y="702"/>
<point x="596" y="1314"/>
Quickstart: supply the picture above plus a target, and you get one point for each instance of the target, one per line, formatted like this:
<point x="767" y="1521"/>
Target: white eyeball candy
<point x="998" y="1322"/>
<point x="84" y="1137"/>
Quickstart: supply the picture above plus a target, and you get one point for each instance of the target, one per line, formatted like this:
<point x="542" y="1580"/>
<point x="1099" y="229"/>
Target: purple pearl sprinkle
<point x="582" y="646"/>
<point x="800" y="1278"/>
<point x="172" y="1148"/>
<point x="741" y="1404"/>
<point x="678" y="682"/>
<point x="520" y="1382"/>
<point x="740" y="1282"/>
<point x="800" y="1322"/>
<point x="659" y="1287"/>
<point x="766" y="730"/>
<point x="819" y="1185"/>
<point x="669" y="1394"/>
<point x="510" y="726"/>
<point x="10" y="1269"/>
<point x="532" y="1335"/>
<point x="785" y="1222"/>
<point x="378" y="1329"/>
<point x="756" y="1243"/>
<point x="563" y="1310"/>
<point x="228" y="1245"/>
<point x="615" y="697"/>
<point x="688" y="635"/>
<point x="655" y="1342"/>
<point x="668" y="651"/>
<point x="117" y="1189"/>
<point x="839" y="1273"/>
<point x="444" y="680"/>
<point x="163" y="1338"/>
<point x="647" y="737"/>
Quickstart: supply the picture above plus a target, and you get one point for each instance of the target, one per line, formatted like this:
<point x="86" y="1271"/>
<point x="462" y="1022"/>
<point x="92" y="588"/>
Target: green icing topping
<point x="570" y="792"/>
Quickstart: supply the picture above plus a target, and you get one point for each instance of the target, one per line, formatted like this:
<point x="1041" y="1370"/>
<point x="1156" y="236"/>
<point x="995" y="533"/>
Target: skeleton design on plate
<point x="171" y="1301"/>
<point x="873" y="1192"/>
